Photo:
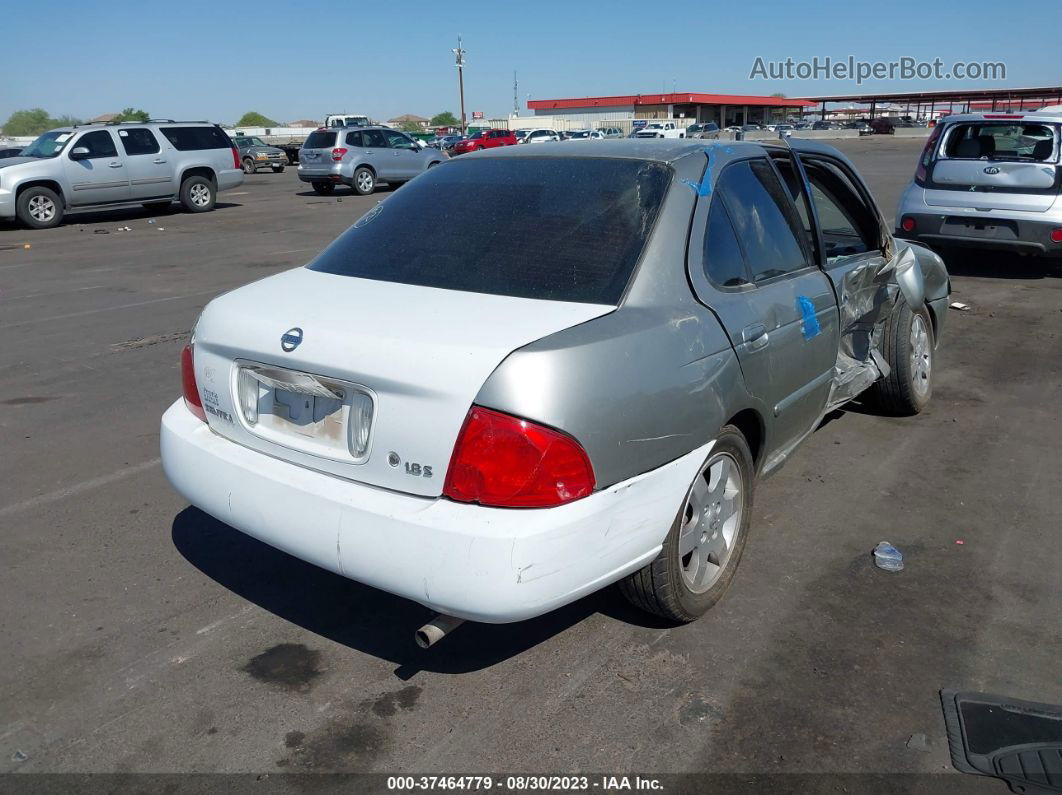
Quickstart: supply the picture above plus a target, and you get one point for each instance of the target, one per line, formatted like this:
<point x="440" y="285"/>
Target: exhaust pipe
<point x="437" y="629"/>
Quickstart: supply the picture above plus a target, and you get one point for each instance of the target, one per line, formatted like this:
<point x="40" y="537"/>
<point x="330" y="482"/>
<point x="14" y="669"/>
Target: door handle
<point x="158" y="160"/>
<point x="114" y="165"/>
<point x="755" y="336"/>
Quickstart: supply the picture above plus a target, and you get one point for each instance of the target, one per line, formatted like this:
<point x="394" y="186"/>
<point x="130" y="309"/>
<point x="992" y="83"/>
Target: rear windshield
<point x="319" y="139"/>
<point x="186" y="139"/>
<point x="561" y="229"/>
<point x="1001" y="141"/>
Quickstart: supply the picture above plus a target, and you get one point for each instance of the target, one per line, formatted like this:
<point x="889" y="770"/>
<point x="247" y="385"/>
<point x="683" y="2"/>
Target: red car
<point x="484" y="139"/>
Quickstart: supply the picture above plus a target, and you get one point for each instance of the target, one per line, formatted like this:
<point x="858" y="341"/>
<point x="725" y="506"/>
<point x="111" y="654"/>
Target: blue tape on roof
<point x="704" y="187"/>
<point x="810" y="323"/>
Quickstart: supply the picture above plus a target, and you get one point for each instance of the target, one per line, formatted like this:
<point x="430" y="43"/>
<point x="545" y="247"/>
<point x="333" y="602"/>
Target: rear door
<point x="100" y="178"/>
<point x="150" y="172"/>
<point x="754" y="268"/>
<point x="315" y="157"/>
<point x="375" y="151"/>
<point x="996" y="164"/>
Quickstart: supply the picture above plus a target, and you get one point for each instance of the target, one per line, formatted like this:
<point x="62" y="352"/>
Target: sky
<point x="293" y="60"/>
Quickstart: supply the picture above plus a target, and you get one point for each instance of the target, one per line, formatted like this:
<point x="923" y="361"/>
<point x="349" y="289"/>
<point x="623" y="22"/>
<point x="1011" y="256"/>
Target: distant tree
<point x="779" y="94"/>
<point x="410" y="126"/>
<point x="133" y="114"/>
<point x="253" y="118"/>
<point x="28" y="122"/>
<point x="445" y="119"/>
<point x="66" y="120"/>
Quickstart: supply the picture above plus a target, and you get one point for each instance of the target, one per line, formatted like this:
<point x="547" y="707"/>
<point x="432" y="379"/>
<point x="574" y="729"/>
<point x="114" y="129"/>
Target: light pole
<point x="461" y="79"/>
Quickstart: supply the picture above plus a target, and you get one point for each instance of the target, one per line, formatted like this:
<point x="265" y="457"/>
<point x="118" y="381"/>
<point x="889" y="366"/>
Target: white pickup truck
<point x="661" y="129"/>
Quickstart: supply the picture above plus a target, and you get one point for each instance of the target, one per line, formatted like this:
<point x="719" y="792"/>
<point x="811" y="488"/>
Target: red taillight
<point x="507" y="462"/>
<point x="191" y="391"/>
<point x="1056" y="235"/>
<point x="927" y="154"/>
<point x="1004" y="115"/>
<point x="908" y="224"/>
<point x="337" y="153"/>
<point x="236" y="158"/>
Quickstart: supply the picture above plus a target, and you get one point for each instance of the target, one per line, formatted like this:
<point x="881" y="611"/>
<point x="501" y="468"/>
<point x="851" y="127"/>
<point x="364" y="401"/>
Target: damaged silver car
<point x="575" y="381"/>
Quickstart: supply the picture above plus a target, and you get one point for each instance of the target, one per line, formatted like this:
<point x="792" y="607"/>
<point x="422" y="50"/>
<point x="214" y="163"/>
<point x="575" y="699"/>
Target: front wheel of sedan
<point x="908" y="348"/>
<point x="703" y="548"/>
<point x="364" y="181"/>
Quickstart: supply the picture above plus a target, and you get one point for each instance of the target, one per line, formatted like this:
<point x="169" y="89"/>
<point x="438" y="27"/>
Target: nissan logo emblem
<point x="291" y="339"/>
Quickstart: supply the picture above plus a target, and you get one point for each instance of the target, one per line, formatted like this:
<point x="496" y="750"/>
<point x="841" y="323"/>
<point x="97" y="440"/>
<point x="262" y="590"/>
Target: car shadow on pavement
<point x="1000" y="265"/>
<point x="364" y="618"/>
<point x="132" y="214"/>
<point x="346" y="192"/>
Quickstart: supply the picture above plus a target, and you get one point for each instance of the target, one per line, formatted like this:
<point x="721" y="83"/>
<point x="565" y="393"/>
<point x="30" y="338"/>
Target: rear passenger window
<point x="724" y="264"/>
<point x="186" y="139"/>
<point x="99" y="143"/>
<point x="320" y="139"/>
<point x="139" y="141"/>
<point x="374" y="138"/>
<point x="848" y="225"/>
<point x="764" y="219"/>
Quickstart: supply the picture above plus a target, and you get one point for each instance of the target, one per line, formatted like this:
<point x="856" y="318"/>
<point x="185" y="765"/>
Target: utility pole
<point x="516" y="102"/>
<point x="461" y="80"/>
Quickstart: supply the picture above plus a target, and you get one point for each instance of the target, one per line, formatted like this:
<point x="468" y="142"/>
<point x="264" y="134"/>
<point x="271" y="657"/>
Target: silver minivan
<point x="362" y="157"/>
<point x="108" y="165"/>
<point x="989" y="181"/>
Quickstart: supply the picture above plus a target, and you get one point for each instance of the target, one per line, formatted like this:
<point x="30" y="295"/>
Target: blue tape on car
<point x="704" y="187"/>
<point x="810" y="323"/>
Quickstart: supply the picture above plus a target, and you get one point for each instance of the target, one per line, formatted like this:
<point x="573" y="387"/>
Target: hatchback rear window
<point x="320" y="139"/>
<point x="1001" y="141"/>
<point x="186" y="139"/>
<point x="561" y="229"/>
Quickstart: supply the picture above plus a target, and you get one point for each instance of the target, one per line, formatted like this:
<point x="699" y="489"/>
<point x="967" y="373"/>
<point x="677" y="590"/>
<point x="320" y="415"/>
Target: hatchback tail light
<point x="236" y="158"/>
<point x="191" y="391"/>
<point x="927" y="155"/>
<point x="337" y="153"/>
<point x="908" y="224"/>
<point x="1056" y="235"/>
<point x="507" y="462"/>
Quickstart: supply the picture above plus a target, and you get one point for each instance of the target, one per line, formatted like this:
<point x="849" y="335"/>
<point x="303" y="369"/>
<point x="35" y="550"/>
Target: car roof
<point x="663" y="150"/>
<point x="1050" y="115"/>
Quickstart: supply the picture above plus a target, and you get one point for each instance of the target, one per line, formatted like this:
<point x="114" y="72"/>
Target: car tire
<point x="278" y="169"/>
<point x="324" y="188"/>
<point x="681" y="586"/>
<point x="908" y="348"/>
<point x="248" y="166"/>
<point x="198" y="194"/>
<point x="39" y="207"/>
<point x="364" y="181"/>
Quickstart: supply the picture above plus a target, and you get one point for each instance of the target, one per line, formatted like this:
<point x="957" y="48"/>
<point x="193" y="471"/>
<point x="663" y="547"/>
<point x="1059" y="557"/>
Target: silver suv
<point x="362" y="157"/>
<point x="107" y="165"/>
<point x="991" y="181"/>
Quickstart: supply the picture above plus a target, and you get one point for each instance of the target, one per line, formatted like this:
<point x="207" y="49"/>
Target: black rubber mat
<point x="1017" y="741"/>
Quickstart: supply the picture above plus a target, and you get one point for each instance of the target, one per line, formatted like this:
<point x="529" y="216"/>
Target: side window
<point x="398" y="141"/>
<point x="848" y="226"/>
<point x="139" y="141"/>
<point x="764" y="219"/>
<point x="724" y="264"/>
<point x="99" y="143"/>
<point x="373" y="138"/>
<point x="354" y="139"/>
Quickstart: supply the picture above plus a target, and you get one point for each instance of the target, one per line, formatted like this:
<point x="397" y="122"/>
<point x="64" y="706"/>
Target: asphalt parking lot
<point x="141" y="635"/>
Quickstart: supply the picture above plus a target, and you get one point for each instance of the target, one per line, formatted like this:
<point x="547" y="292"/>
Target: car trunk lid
<point x="330" y="360"/>
<point x="316" y="152"/>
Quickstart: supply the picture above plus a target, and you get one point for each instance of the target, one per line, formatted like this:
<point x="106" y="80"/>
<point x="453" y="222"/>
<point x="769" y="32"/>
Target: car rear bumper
<point x="317" y="173"/>
<point x="993" y="231"/>
<point x="229" y="178"/>
<point x="482" y="564"/>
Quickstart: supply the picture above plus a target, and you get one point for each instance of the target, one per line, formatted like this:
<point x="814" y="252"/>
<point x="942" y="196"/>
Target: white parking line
<point x="106" y="309"/>
<point x="79" y="488"/>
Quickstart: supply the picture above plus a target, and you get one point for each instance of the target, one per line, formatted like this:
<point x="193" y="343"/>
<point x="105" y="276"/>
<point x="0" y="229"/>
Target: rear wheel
<point x="908" y="349"/>
<point x="703" y="548"/>
<point x="324" y="188"/>
<point x="248" y="166"/>
<point x="39" y="208"/>
<point x="364" y="181"/>
<point x="197" y="194"/>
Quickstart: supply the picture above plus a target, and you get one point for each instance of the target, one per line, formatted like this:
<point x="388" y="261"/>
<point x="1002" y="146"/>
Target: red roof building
<point x="721" y="108"/>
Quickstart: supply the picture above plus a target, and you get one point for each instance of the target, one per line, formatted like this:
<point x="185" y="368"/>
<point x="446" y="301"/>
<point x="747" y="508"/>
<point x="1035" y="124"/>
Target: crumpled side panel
<point x="866" y="295"/>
